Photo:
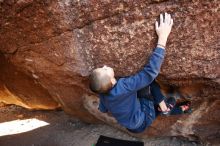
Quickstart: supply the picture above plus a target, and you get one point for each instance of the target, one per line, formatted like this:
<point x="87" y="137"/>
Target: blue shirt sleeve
<point x="145" y="76"/>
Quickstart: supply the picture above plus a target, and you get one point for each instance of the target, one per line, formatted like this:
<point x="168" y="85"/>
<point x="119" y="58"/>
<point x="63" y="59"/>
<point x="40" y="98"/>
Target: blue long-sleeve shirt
<point x="121" y="101"/>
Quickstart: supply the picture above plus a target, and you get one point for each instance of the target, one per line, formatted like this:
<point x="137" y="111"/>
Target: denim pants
<point x="149" y="98"/>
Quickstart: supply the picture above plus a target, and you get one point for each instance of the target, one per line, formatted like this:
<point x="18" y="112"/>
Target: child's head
<point x="102" y="79"/>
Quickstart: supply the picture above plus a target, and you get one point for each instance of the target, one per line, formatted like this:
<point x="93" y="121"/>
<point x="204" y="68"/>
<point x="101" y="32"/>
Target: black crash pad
<point x="108" y="141"/>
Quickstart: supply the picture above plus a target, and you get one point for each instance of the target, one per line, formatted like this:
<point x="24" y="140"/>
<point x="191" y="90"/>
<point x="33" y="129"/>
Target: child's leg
<point x="156" y="93"/>
<point x="145" y="93"/>
<point x="147" y="107"/>
<point x="159" y="98"/>
<point x="153" y="94"/>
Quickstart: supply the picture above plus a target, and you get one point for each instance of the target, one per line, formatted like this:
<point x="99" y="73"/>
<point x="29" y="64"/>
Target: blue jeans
<point x="149" y="98"/>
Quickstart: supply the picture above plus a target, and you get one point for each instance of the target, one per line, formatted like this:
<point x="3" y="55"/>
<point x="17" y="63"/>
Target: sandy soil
<point x="64" y="130"/>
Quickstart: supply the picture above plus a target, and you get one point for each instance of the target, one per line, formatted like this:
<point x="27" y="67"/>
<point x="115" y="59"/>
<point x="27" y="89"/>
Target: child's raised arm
<point x="152" y="69"/>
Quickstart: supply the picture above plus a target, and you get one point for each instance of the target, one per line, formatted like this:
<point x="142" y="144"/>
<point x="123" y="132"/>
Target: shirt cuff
<point x="160" y="51"/>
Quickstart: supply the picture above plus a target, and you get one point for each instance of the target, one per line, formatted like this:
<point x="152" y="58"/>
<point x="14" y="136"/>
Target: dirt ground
<point x="64" y="130"/>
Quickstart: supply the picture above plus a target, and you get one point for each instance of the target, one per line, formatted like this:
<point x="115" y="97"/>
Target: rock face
<point x="48" y="48"/>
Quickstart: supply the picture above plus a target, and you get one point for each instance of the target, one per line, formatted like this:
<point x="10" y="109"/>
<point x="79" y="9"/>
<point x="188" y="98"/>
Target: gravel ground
<point x="64" y="130"/>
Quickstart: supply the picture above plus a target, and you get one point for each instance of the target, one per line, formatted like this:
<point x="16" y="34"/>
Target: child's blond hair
<point x="100" y="82"/>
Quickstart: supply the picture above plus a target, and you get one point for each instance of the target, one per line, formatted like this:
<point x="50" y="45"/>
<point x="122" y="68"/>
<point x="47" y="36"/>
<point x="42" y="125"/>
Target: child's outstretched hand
<point x="163" y="30"/>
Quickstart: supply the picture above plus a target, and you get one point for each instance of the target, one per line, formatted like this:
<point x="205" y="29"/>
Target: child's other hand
<point x="163" y="30"/>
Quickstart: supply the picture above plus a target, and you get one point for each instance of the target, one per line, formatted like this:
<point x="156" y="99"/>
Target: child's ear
<point x="113" y="80"/>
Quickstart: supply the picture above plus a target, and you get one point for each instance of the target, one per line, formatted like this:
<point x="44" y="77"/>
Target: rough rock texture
<point x="49" y="47"/>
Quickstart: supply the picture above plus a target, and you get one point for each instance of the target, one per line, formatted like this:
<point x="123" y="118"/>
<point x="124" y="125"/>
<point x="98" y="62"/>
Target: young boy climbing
<point x="136" y="100"/>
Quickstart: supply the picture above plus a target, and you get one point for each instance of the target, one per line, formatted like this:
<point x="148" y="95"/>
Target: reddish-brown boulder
<point x="48" y="48"/>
